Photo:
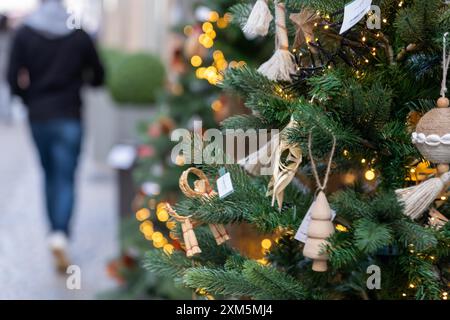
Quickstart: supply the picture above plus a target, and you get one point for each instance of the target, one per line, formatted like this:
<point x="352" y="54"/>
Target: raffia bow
<point x="284" y="171"/>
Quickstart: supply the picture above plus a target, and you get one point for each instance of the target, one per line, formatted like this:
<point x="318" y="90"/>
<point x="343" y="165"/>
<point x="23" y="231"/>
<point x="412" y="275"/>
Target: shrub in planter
<point x="135" y="79"/>
<point x="111" y="58"/>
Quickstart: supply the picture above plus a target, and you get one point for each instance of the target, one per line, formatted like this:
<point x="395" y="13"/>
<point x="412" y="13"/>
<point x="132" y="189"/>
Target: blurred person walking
<point x="5" y="95"/>
<point x="49" y="63"/>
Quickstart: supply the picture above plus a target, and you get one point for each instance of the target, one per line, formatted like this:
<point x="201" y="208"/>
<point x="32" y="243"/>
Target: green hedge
<point x="133" y="78"/>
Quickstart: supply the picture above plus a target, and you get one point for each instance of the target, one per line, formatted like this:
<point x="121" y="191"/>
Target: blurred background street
<point x="25" y="261"/>
<point x="137" y="31"/>
<point x="162" y="62"/>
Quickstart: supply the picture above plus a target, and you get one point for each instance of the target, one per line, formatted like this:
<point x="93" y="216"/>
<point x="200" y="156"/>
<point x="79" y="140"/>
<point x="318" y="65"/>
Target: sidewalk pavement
<point x="26" y="266"/>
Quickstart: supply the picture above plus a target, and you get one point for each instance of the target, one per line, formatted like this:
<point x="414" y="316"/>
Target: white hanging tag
<point x="224" y="184"/>
<point x="354" y="12"/>
<point x="302" y="233"/>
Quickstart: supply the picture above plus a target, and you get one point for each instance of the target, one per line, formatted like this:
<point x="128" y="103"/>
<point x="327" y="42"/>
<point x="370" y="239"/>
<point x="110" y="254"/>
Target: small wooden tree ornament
<point x="321" y="226"/>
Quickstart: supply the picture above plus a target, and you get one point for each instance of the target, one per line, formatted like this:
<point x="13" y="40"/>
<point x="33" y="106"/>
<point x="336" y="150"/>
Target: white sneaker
<point x="58" y="244"/>
<point x="58" y="240"/>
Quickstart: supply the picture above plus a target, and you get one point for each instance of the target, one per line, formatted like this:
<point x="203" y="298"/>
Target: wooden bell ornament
<point x="432" y="139"/>
<point x="321" y="226"/>
<point x="432" y="136"/>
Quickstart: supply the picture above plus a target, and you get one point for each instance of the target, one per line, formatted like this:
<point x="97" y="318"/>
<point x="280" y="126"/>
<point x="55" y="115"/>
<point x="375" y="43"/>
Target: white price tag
<point x="354" y="12"/>
<point x="225" y="186"/>
<point x="302" y="233"/>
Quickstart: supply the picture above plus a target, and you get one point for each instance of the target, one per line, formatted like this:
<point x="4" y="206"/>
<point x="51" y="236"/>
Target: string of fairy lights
<point x="147" y="226"/>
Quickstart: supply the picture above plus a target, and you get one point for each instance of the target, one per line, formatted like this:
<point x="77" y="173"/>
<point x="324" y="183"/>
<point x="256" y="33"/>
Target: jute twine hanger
<point x="445" y="66"/>
<point x="321" y="186"/>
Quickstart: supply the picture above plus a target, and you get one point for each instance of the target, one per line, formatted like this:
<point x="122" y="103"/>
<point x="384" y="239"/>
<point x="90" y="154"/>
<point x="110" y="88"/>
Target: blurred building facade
<point x="139" y="25"/>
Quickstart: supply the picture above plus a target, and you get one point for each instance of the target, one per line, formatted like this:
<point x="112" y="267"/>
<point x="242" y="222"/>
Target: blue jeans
<point x="59" y="145"/>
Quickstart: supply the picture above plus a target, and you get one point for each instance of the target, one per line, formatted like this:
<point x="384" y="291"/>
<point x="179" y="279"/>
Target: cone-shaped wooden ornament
<point x="320" y="228"/>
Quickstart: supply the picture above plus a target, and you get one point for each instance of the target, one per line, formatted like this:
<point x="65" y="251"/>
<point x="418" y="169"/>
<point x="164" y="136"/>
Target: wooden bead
<point x="320" y="265"/>
<point x="443" y="102"/>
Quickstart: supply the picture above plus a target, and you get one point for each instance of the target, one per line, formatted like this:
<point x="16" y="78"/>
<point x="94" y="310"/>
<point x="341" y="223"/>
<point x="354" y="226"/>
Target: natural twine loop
<point x="321" y="186"/>
<point x="445" y="66"/>
<point x="186" y="188"/>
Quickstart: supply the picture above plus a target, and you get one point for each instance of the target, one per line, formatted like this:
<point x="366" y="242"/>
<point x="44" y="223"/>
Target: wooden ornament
<point x="319" y="230"/>
<point x="321" y="226"/>
<point x="432" y="139"/>
<point x="443" y="102"/>
<point x="187" y="227"/>
<point x="202" y="188"/>
<point x="432" y="136"/>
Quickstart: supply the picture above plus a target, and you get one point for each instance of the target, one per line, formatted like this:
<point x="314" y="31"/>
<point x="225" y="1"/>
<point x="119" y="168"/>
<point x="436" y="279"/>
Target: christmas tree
<point x="203" y="49"/>
<point x="360" y="161"/>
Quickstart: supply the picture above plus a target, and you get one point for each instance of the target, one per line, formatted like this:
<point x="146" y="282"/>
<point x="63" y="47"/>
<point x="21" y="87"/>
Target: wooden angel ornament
<point x="321" y="226"/>
<point x="202" y="188"/>
<point x="187" y="227"/>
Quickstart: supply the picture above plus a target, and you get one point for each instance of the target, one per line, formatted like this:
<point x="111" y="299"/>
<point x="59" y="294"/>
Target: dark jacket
<point x="57" y="69"/>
